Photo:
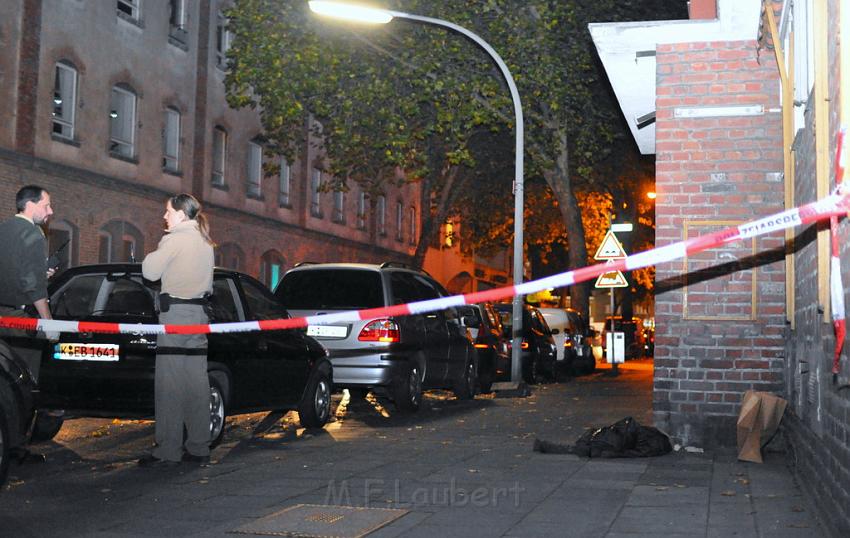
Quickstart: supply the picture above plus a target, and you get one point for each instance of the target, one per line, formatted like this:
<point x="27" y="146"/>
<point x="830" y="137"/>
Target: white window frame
<point x="223" y="37"/>
<point x="381" y="210"/>
<point x="412" y="224"/>
<point x="219" y="156"/>
<point x="132" y="8"/>
<point x="315" y="194"/>
<point x="171" y="139"/>
<point x="284" y="183"/>
<point x="361" y="211"/>
<point x="255" y="169"/>
<point x="399" y="221"/>
<point x="125" y="240"/>
<point x="65" y="97"/>
<point x="64" y="226"/>
<point x="798" y="20"/>
<point x="339" y="207"/>
<point x="118" y="146"/>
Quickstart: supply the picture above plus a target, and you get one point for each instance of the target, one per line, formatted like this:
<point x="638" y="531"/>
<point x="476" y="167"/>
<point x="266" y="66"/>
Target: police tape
<point x="833" y="205"/>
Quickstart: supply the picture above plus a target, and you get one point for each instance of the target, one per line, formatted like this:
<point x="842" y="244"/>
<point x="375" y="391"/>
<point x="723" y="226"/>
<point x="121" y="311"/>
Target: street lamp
<point x="372" y="15"/>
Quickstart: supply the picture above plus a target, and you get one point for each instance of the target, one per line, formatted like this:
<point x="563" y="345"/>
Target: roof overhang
<point x="627" y="51"/>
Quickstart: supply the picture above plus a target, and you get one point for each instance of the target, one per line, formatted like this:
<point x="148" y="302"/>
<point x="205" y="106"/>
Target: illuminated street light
<point x="382" y="16"/>
<point x="652" y="195"/>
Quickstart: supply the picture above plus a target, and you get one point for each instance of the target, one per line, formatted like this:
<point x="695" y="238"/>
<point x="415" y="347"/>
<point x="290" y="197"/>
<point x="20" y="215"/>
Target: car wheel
<point x="486" y="376"/>
<point x="5" y="446"/>
<point x="46" y="427"/>
<point x="315" y="407"/>
<point x="407" y="392"/>
<point x="531" y="371"/>
<point x="219" y="397"/>
<point x="465" y="387"/>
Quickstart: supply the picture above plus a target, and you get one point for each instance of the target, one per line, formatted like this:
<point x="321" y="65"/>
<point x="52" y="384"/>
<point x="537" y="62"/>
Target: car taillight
<point x="481" y="346"/>
<point x="524" y="345"/>
<point x="380" y="330"/>
<point x="568" y="343"/>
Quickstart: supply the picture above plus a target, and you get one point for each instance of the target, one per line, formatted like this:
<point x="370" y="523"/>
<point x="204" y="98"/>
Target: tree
<point x="410" y="97"/>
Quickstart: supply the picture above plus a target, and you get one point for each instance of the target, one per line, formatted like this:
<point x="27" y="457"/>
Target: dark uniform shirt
<point x="23" y="262"/>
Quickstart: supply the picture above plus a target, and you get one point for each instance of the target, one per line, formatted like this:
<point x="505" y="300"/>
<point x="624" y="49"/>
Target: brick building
<point x="115" y="105"/>
<point x="741" y="105"/>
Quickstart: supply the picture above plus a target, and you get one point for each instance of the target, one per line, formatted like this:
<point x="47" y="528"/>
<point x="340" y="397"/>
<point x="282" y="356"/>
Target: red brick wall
<point x="720" y="315"/>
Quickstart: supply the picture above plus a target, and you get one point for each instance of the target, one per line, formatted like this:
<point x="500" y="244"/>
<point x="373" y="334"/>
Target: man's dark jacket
<point x="23" y="262"/>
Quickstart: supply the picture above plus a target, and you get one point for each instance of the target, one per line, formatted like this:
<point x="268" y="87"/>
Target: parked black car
<point x="538" y="346"/>
<point x="488" y="336"/>
<point x="393" y="355"/>
<point x="90" y="374"/>
<point x="16" y="406"/>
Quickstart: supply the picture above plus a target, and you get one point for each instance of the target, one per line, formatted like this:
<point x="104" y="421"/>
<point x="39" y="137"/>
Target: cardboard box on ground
<point x="757" y="422"/>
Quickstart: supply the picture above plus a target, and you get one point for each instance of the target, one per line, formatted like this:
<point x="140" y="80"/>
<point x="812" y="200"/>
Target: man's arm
<point x="43" y="309"/>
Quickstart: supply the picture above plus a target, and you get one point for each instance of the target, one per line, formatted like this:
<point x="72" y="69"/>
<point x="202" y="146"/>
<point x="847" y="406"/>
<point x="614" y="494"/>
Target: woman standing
<point x="184" y="261"/>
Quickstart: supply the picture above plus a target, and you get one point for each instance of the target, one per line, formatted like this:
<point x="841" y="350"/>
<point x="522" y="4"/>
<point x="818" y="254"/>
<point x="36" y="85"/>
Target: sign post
<point x="611" y="249"/>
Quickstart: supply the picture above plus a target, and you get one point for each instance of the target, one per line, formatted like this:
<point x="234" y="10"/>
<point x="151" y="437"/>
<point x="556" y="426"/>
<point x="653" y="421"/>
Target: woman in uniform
<point x="183" y="261"/>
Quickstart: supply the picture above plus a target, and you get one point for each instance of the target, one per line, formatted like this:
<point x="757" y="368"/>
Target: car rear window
<point x="340" y="289"/>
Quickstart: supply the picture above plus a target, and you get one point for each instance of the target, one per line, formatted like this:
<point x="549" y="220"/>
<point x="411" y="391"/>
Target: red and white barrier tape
<point x="836" y="285"/>
<point x="833" y="205"/>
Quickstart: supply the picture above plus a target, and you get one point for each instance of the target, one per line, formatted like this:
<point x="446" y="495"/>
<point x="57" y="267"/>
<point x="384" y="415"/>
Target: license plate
<point x="67" y="351"/>
<point x="332" y="331"/>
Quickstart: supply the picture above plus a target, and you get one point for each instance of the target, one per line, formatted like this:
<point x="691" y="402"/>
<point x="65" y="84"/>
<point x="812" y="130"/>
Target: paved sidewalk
<point x="457" y="468"/>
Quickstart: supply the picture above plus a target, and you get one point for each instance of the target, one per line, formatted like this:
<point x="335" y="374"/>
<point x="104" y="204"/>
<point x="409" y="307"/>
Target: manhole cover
<point x="315" y="521"/>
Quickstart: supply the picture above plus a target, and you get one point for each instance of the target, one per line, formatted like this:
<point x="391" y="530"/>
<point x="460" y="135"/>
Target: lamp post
<point x="354" y="12"/>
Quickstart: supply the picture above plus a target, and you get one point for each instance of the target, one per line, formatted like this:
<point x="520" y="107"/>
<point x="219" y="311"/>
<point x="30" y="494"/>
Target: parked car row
<point x="463" y="349"/>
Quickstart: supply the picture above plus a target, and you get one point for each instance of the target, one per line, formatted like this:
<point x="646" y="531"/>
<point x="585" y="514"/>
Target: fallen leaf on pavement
<point x="728" y="493"/>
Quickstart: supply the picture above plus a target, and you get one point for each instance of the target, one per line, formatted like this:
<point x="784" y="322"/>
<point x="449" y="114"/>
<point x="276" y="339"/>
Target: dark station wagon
<point x="112" y="375"/>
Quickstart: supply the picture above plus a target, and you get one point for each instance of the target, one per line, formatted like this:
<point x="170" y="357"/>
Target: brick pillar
<point x="28" y="77"/>
<point x="199" y="179"/>
<point x="720" y="315"/>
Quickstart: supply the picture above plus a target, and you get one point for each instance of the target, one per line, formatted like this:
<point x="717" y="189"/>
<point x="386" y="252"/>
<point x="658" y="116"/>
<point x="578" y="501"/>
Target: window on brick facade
<point x="230" y="256"/>
<point x="797" y="25"/>
<point x="223" y="37"/>
<point x="62" y="241"/>
<point x="177" y="17"/>
<point x="64" y="100"/>
<point x="381" y="214"/>
<point x="361" y="211"/>
<point x="285" y="182"/>
<point x="171" y="140"/>
<point x="255" y="168"/>
<point x="119" y="241"/>
<point x="219" y="154"/>
<point x="412" y="225"/>
<point x="129" y="9"/>
<point x="177" y="21"/>
<point x="339" y="207"/>
<point x="122" y="122"/>
<point x="316" y="193"/>
<point x="271" y="268"/>
<point x="399" y="221"/>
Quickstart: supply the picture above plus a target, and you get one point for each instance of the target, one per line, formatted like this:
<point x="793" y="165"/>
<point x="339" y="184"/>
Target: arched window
<point x="271" y="268"/>
<point x="120" y="241"/>
<point x="64" y="100"/>
<point x="62" y="244"/>
<point x="229" y="256"/>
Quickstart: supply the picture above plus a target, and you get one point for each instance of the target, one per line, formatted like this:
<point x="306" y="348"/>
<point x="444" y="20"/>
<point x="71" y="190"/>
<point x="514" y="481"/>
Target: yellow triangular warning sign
<point x="614" y="279"/>
<point x="610" y="249"/>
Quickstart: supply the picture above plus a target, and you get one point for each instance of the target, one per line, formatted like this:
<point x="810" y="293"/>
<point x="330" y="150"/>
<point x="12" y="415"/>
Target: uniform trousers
<point x="181" y="387"/>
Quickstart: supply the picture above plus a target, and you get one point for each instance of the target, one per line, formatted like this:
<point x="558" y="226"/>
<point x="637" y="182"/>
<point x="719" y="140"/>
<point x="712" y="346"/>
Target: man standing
<point x="24" y="271"/>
